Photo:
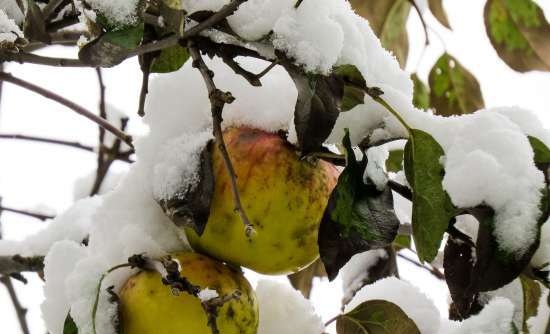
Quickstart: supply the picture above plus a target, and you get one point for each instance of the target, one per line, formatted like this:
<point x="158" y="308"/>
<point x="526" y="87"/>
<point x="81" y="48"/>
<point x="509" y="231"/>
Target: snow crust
<point x="284" y="310"/>
<point x="83" y="186"/>
<point x="9" y="30"/>
<point x="405" y="295"/>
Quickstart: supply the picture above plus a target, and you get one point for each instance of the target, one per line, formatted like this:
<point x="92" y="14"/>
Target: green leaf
<point x="354" y="94"/>
<point x="432" y="207"/>
<point x="317" y="107"/>
<point x="69" y="327"/>
<point x="376" y="317"/>
<point x="519" y="33"/>
<point x="395" y="161"/>
<point x="531" y="297"/>
<point x="357" y="218"/>
<point x="170" y="59"/>
<point x="388" y="20"/>
<point x="112" y="47"/>
<point x="421" y="97"/>
<point x="436" y="7"/>
<point x="454" y="90"/>
<point x="402" y="241"/>
<point x="542" y="152"/>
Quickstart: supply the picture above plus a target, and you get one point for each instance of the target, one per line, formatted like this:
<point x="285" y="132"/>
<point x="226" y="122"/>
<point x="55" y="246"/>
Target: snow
<point x="376" y="166"/>
<point x="192" y="6"/>
<point x="9" y="30"/>
<point x="74" y="224"/>
<point x="495" y="318"/>
<point x="514" y="293"/>
<point x="356" y="271"/>
<point x="12" y="10"/>
<point x="255" y="18"/>
<point x="177" y="165"/>
<point x="285" y="310"/>
<point x="83" y="186"/>
<point x="121" y="12"/>
<point x="207" y="294"/>
<point x="538" y="324"/>
<point x="405" y="295"/>
<point x="542" y="255"/>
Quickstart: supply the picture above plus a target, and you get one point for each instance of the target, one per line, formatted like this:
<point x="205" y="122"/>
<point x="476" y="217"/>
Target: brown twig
<point x="36" y="215"/>
<point x="22" y="57"/>
<point x="71" y="105"/>
<point x="434" y="271"/>
<point x="424" y="25"/>
<point x="19" y="309"/>
<point x="144" y="90"/>
<point x="218" y="99"/>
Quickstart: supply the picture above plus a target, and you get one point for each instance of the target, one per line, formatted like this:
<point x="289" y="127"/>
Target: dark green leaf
<point x="395" y="161"/>
<point x="531" y="297"/>
<point x="112" y="47"/>
<point x="317" y="107"/>
<point x="542" y="152"/>
<point x="388" y="20"/>
<point x="402" y="241"/>
<point x="190" y="207"/>
<point x="170" y="59"/>
<point x="357" y="218"/>
<point x="432" y="207"/>
<point x="303" y="280"/>
<point x="421" y="96"/>
<point x="453" y="89"/>
<point x="354" y="94"/>
<point x="376" y="317"/>
<point x="519" y="33"/>
<point x="69" y="327"/>
<point x="436" y="7"/>
<point x="34" y="27"/>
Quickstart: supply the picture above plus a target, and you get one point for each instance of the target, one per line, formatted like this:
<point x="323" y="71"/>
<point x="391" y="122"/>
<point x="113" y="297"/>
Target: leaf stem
<point x="392" y="111"/>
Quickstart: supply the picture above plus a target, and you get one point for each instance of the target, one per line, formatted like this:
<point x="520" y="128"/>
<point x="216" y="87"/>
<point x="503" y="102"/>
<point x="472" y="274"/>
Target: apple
<point x="283" y="196"/>
<point x="147" y="306"/>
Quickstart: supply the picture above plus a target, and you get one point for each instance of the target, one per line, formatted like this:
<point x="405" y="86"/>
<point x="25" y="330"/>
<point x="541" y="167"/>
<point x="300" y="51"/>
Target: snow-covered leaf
<point x="317" y="107"/>
<point x="421" y="93"/>
<point x="191" y="206"/>
<point x="112" y="47"/>
<point x="453" y="89"/>
<point x="388" y="19"/>
<point x="357" y="218"/>
<point x="436" y="7"/>
<point x="519" y="33"/>
<point x="432" y="207"/>
<point x="376" y="317"/>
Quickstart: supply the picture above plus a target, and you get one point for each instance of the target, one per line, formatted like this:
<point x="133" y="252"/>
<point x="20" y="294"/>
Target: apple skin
<point x="147" y="306"/>
<point x="284" y="198"/>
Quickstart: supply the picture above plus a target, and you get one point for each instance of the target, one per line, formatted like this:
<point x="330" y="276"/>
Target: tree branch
<point x="19" y="309"/>
<point x="432" y="270"/>
<point x="22" y="57"/>
<point x="424" y="25"/>
<point x="218" y="99"/>
<point x="71" y="105"/>
<point x="400" y="189"/>
<point x="17" y="264"/>
<point x="36" y="215"/>
<point x="48" y="141"/>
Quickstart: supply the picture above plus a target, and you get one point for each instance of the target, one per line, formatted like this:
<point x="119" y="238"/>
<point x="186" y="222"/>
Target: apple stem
<point x="218" y="99"/>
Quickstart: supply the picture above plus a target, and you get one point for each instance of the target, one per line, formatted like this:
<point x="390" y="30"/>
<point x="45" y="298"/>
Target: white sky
<point x="41" y="176"/>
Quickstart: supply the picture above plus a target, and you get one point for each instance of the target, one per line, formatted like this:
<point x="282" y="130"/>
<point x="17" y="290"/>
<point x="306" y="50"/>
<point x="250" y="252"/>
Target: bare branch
<point x="218" y="99"/>
<point x="48" y="141"/>
<point x="19" y="309"/>
<point x="36" y="215"/>
<point x="424" y="25"/>
<point x="18" y="264"/>
<point x="144" y="91"/>
<point x="400" y="189"/>
<point x="432" y="270"/>
<point x="71" y="105"/>
<point x="22" y="57"/>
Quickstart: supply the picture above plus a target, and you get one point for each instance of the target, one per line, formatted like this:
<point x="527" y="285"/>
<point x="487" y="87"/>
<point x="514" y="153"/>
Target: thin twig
<point x="36" y="215"/>
<point x="19" y="309"/>
<point x="22" y="57"/>
<point x="424" y="25"/>
<point x="48" y="141"/>
<point x="144" y="90"/>
<point x="434" y="271"/>
<point x="218" y="99"/>
<point x="75" y="107"/>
